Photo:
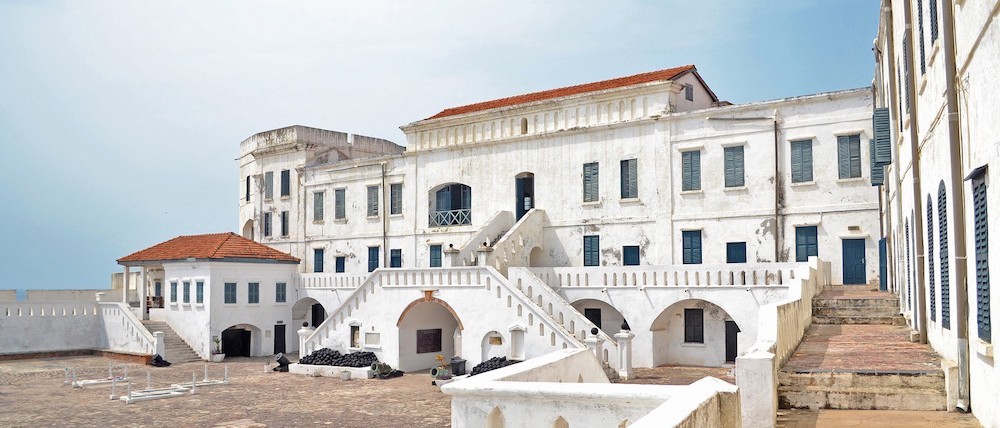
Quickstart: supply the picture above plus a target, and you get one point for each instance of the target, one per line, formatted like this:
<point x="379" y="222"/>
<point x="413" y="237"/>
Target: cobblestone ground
<point x="32" y="394"/>
<point x="680" y="375"/>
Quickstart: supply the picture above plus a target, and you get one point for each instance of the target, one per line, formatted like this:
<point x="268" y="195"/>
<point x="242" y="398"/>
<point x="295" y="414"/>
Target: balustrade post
<point x="159" y="343"/>
<point x="450" y="258"/>
<point x="595" y="344"/>
<point x="304" y="334"/>
<point x="484" y="255"/>
<point x="624" y="338"/>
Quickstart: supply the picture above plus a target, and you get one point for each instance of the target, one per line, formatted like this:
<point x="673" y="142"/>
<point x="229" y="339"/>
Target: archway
<point x="248" y="230"/>
<point x="536" y="257"/>
<point x="606" y="317"/>
<point x="241" y="340"/>
<point x="308" y="310"/>
<point x="692" y="332"/>
<point x="427" y="328"/>
<point x="493" y="345"/>
<point x="450" y="205"/>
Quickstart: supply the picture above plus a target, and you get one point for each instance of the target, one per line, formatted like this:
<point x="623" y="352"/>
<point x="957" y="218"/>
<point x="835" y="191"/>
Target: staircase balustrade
<point x="758" y="274"/>
<point x="123" y="332"/>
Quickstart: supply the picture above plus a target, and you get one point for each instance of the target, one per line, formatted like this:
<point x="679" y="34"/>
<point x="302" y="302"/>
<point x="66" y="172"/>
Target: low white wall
<point x="569" y="387"/>
<point x="90" y="295"/>
<point x="8" y="296"/>
<point x="35" y="327"/>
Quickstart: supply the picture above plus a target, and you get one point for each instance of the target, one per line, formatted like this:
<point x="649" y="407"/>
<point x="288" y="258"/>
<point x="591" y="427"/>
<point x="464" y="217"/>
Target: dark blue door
<point x="854" y="261"/>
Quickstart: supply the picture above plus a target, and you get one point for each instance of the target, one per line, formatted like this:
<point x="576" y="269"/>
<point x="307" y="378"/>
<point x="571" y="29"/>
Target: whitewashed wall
<point x="50" y="326"/>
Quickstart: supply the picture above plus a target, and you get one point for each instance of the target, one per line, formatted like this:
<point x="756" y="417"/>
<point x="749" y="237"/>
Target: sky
<point x="120" y="121"/>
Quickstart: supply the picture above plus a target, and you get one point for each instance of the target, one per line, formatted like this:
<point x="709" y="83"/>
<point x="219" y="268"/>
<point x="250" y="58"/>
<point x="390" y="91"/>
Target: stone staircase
<point x="857" y="355"/>
<point x="176" y="349"/>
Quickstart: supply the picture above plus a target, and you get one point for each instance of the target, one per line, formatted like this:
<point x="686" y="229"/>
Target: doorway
<point x="236" y="342"/>
<point x="318" y="314"/>
<point x="854" y="261"/>
<point x="279" y="338"/>
<point x="525" y="188"/>
<point x="594" y="315"/>
<point x="731" y="333"/>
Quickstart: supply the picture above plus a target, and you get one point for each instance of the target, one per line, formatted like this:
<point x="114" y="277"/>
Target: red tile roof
<point x="215" y="246"/>
<point x="637" y="79"/>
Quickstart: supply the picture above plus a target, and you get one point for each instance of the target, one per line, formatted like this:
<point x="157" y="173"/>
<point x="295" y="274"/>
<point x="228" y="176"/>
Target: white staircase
<point x="176" y="350"/>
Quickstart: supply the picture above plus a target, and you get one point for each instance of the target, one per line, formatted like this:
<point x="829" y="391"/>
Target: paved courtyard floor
<point x="874" y="419"/>
<point x="680" y="375"/>
<point x="32" y="394"/>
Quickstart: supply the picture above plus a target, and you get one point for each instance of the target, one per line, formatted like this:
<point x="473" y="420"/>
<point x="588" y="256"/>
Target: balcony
<point x="450" y="217"/>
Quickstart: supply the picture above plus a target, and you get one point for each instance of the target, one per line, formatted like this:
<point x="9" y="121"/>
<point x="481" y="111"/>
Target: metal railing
<point x="451" y="218"/>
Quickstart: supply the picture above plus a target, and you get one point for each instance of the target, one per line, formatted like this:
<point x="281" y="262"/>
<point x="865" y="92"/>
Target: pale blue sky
<point x="120" y="120"/>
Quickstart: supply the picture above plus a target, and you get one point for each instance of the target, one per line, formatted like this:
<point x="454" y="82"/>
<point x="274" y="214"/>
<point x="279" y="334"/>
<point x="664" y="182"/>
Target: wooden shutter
<point x="882" y="128"/>
<point x="932" y="12"/>
<point x="930" y="258"/>
<point x="686" y="171"/>
<point x="854" y="145"/>
<point x="285" y="183"/>
<point x="843" y="157"/>
<point x="943" y="254"/>
<point x="591" y="184"/>
<point x="629" y="184"/>
<point x="734" y="166"/>
<point x="691" y="170"/>
<point x="318" y="206"/>
<point x="878" y="171"/>
<point x="269" y="185"/>
<point x="796" y="156"/>
<point x="980" y="234"/>
<point x="340" y="210"/>
<point x="372" y="201"/>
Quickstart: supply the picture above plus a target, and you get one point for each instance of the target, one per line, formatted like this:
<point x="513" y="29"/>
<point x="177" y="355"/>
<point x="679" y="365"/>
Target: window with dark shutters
<point x="736" y="252"/>
<point x="920" y="34"/>
<point x="943" y="256"/>
<point x="849" y="156"/>
<point x="268" y="185"/>
<point x="372" y="201"/>
<point x="806" y="243"/>
<point x="318" y="206"/>
<point x="591" y="250"/>
<point x="318" y="254"/>
<point x="694" y="325"/>
<point x="339" y="264"/>
<point x="630" y="184"/>
<point x="372" y="259"/>
<point x="286" y="182"/>
<point x="691" y="170"/>
<point x="930" y="257"/>
<point x="435" y="256"/>
<point x="932" y="15"/>
<point x="734" y="166"/>
<point x="630" y="255"/>
<point x="339" y="207"/>
<point x="248" y="190"/>
<point x="284" y="223"/>
<point x="395" y="258"/>
<point x="802" y="161"/>
<point x="230" y="292"/>
<point x="982" y="245"/>
<point x="591" y="183"/>
<point x="396" y="198"/>
<point x="691" y="244"/>
<point x="909" y="294"/>
<point x="878" y="171"/>
<point x="267" y="224"/>
<point x="253" y="292"/>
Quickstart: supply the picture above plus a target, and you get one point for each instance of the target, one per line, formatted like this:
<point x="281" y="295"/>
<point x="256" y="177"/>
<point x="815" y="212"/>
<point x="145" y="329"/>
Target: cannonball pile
<point x="492" y="364"/>
<point x="329" y="357"/>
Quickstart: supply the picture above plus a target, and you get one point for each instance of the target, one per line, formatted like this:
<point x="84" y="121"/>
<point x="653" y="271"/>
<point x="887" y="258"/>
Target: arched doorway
<point x="241" y="340"/>
<point x="248" y="230"/>
<point x="536" y="257"/>
<point x="308" y="310"/>
<point x="603" y="315"/>
<point x="451" y="205"/>
<point x="694" y="332"/>
<point x="427" y="328"/>
<point x="524" y="187"/>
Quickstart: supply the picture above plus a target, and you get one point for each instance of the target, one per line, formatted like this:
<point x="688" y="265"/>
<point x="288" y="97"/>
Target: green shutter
<point x="591" y="185"/>
<point x="339" y="208"/>
<point x="691" y="170"/>
<point x="878" y="171"/>
<point x="734" y="166"/>
<point x="268" y="185"/>
<point x="318" y="206"/>
<point x="882" y="129"/>
<point x="372" y="201"/>
<point x="982" y="246"/>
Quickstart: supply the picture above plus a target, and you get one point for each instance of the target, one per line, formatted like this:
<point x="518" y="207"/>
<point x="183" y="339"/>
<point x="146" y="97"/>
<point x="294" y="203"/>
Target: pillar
<point x="125" y="287"/>
<point x="756" y="379"/>
<point x="483" y="257"/>
<point x="304" y="334"/>
<point x="596" y="345"/>
<point x="159" y="343"/>
<point x="450" y="258"/>
<point x="624" y="339"/>
<point x="100" y="296"/>
<point x="142" y="296"/>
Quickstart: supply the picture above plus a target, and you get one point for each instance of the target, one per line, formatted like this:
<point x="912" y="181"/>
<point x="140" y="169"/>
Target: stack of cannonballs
<point x="329" y="357"/>
<point x="492" y="364"/>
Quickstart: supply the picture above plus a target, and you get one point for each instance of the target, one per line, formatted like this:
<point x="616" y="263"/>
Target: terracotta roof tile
<point x="637" y="79"/>
<point x="215" y="246"/>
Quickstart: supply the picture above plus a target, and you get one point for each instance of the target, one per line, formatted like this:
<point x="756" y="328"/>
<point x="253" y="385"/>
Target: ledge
<point x="592" y="204"/>
<point x="693" y="345"/>
<point x="851" y="180"/>
<point x="630" y="201"/>
<point x="803" y="183"/>
<point x="692" y="192"/>
<point x="735" y="189"/>
<point x="983" y="348"/>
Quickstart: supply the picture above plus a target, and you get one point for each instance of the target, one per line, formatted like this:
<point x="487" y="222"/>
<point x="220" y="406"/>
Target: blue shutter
<point x="629" y="181"/>
<point x="909" y="293"/>
<point x="685" y="171"/>
<point x="630" y="255"/>
<point x="930" y="257"/>
<point x="372" y="201"/>
<point x="340" y="268"/>
<point x="932" y="12"/>
<point x="920" y="34"/>
<point x="878" y="171"/>
<point x="734" y="166"/>
<point x="882" y="128"/>
<point x="285" y="183"/>
<point x="591" y="185"/>
<point x="691" y="243"/>
<point x="943" y="254"/>
<point x="591" y="250"/>
<point x="435" y="256"/>
<point x="340" y="210"/>
<point x="317" y="260"/>
<point x="395" y="258"/>
<point x="736" y="252"/>
<point x="982" y="245"/>
<point x="843" y="157"/>
<point x="372" y="258"/>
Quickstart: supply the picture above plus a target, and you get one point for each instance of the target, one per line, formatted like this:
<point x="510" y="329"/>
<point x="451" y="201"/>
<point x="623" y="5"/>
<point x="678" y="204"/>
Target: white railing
<point x="514" y="247"/>
<point x="450" y="218"/>
<point x="780" y="327"/>
<point x="329" y="326"/>
<point x="60" y="309"/>
<point x="123" y="332"/>
<point x="739" y="275"/>
<point x="561" y="311"/>
<point x="471" y="276"/>
<point x="492" y="231"/>
<point x="329" y="280"/>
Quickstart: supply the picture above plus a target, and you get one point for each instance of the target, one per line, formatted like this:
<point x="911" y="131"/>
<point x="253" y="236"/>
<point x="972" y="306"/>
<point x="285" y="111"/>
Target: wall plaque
<point x="428" y="341"/>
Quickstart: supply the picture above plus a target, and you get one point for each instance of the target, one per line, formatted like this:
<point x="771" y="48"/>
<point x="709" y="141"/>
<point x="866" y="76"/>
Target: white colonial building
<point x="936" y="127"/>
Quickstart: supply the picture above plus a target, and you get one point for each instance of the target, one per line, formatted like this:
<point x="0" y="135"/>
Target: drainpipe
<point x="920" y="314"/>
<point x="957" y="205"/>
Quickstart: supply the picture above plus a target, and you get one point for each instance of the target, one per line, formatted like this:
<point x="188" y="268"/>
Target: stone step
<point x="855" y="311"/>
<point x="861" y="398"/>
<point x="860" y="379"/>
<point x="856" y="302"/>
<point x="877" y="320"/>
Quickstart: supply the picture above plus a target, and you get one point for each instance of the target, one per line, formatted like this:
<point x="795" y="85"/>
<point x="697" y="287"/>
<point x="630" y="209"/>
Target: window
<point x="199" y="291"/>
<point x="736" y="252"/>
<point x="849" y="155"/>
<point x="372" y="201"/>
<point x="187" y="291"/>
<point x="286" y="182"/>
<point x="802" y="161"/>
<point x="267" y="224"/>
<point x="524" y="126"/>
<point x="591" y="250"/>
<point x="930" y="257"/>
<point x="734" y="166"/>
<point x="920" y="34"/>
<point x="452" y="206"/>
<point x="268" y="185"/>
<point x="248" y="189"/>
<point x="806" y="243"/>
<point x="372" y="259"/>
<point x="691" y="170"/>
<point x="943" y="254"/>
<point x="339" y="209"/>
<point x="934" y="20"/>
<point x="395" y="258"/>
<point x="630" y="185"/>
<point x="591" y="185"/>
<point x="230" y="292"/>
<point x="689" y="92"/>
<point x="980" y="233"/>
<point x="630" y="255"/>
<point x="339" y="264"/>
<point x="317" y="260"/>
<point x="253" y="292"/>
<point x="280" y="290"/>
<point x="694" y="325"/>
<point x="396" y="198"/>
<point x="435" y="256"/>
<point x="157" y="288"/>
<point x="317" y="206"/>
<point x="909" y="294"/>
<point x="173" y="292"/>
<point x="691" y="243"/>
<point x="355" y="336"/>
<point x="284" y="223"/>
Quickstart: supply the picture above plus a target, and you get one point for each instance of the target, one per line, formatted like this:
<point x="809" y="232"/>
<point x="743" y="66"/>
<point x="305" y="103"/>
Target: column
<point x="624" y="339"/>
<point x="142" y="295"/>
<point x="125" y="287"/>
<point x="304" y="334"/>
<point x="596" y="345"/>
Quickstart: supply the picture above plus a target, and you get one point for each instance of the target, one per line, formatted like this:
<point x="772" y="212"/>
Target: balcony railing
<point x="451" y="218"/>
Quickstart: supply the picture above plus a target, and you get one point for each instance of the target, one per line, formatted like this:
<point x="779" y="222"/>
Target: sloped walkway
<point x="874" y="419"/>
<point x="861" y="347"/>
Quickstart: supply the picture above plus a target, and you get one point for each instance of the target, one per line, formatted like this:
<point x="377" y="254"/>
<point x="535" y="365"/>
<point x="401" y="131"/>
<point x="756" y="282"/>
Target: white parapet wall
<point x="73" y="326"/>
<point x="569" y="388"/>
<point x="85" y="296"/>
